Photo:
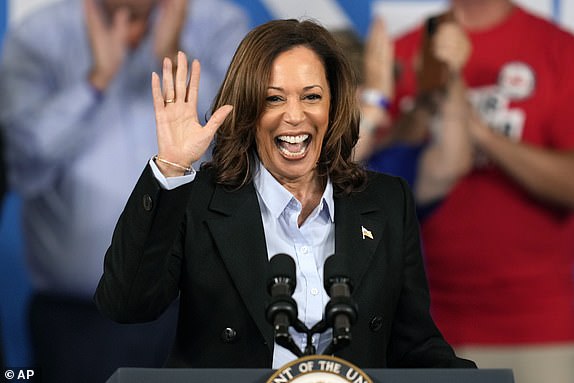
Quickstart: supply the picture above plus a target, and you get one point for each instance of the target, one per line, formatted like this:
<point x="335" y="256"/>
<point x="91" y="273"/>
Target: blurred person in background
<point x="395" y="137"/>
<point x="76" y="113"/>
<point x="372" y="62"/>
<point x="499" y="247"/>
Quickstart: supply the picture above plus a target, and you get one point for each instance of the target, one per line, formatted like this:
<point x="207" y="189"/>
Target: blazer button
<point x="376" y="324"/>
<point x="228" y="335"/>
<point x="147" y="202"/>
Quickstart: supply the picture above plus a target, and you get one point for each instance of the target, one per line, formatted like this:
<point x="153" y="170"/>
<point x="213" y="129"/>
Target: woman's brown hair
<point x="245" y="87"/>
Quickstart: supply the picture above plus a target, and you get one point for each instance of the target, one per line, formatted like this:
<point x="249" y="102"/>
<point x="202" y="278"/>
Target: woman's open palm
<point x="181" y="138"/>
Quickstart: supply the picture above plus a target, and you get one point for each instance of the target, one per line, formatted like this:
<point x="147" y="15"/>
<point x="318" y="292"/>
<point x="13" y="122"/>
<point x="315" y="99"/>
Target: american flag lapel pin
<point x="366" y="233"/>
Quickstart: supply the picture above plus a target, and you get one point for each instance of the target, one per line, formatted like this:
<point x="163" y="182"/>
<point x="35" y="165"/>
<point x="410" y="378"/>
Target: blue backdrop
<point x="14" y="287"/>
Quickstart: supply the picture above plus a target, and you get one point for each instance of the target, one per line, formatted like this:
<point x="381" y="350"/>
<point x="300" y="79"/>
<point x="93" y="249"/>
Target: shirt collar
<point x="276" y="197"/>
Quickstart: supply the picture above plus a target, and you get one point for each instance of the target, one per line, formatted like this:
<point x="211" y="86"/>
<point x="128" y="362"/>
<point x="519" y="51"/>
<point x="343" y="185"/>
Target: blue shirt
<point x="73" y="156"/>
<point x="399" y="159"/>
<point x="402" y="160"/>
<point x="309" y="245"/>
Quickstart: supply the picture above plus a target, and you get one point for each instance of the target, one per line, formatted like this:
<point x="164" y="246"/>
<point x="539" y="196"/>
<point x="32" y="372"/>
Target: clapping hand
<point x="181" y="139"/>
<point x="452" y="46"/>
<point x="112" y="35"/>
<point x="379" y="59"/>
<point x="168" y="27"/>
<point x="108" y="41"/>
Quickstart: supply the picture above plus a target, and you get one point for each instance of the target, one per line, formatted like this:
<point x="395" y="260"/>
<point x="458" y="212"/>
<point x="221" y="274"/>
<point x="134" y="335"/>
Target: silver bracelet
<point x="186" y="169"/>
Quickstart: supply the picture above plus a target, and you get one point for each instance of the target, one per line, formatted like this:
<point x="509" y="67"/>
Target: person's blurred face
<point x="139" y="14"/>
<point x="291" y="129"/>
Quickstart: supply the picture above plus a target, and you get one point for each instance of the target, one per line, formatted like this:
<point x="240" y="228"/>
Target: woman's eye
<point x="313" y="97"/>
<point x="273" y="99"/>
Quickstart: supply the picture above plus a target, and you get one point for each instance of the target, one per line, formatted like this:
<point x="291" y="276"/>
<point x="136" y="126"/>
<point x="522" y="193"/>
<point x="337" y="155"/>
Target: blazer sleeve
<point x="415" y="339"/>
<point x="142" y="266"/>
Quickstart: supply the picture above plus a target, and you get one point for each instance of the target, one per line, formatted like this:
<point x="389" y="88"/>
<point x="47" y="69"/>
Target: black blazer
<point x="207" y="245"/>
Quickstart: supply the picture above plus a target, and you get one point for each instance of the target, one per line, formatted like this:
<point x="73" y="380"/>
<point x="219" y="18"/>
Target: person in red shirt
<point x="500" y="246"/>
<point x="497" y="159"/>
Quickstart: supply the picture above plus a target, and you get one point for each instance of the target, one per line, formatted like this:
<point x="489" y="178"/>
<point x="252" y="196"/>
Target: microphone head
<point x="282" y="268"/>
<point x="335" y="270"/>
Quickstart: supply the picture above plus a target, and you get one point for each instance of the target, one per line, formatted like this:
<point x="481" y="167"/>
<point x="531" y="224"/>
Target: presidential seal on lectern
<point x="319" y="369"/>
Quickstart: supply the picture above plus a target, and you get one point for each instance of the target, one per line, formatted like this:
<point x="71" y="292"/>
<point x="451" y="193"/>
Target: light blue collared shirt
<point x="309" y="245"/>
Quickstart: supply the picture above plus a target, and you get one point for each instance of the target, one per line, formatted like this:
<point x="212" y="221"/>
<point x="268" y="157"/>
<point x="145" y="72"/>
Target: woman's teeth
<point x="294" y="139"/>
<point x="292" y="146"/>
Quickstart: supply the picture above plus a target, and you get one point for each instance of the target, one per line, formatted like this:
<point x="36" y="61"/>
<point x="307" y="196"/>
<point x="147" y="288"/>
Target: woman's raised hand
<point x="181" y="138"/>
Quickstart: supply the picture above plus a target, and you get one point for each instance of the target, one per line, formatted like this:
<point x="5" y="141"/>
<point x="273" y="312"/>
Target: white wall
<point x="567" y="14"/>
<point x="19" y="8"/>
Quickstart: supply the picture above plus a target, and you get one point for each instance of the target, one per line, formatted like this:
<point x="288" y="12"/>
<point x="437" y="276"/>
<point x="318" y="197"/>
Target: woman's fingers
<point x="180" y="93"/>
<point x="193" y="87"/>
<point x="178" y="89"/>
<point x="158" y="100"/>
<point x="167" y="76"/>
<point x="181" y="77"/>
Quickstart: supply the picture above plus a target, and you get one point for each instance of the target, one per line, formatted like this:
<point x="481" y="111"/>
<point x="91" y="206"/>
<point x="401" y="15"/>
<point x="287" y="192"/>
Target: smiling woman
<point x="281" y="181"/>
<point x="292" y="127"/>
<point x="290" y="70"/>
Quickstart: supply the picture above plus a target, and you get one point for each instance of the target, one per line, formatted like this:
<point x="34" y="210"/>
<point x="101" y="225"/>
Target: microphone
<point x="281" y="312"/>
<point x="341" y="311"/>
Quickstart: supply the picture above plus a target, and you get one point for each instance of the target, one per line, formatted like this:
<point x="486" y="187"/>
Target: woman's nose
<point x="294" y="113"/>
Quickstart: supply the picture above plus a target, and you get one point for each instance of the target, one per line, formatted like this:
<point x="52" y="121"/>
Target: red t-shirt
<point x="500" y="263"/>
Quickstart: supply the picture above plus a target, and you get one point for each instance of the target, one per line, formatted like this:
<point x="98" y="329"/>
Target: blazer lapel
<point x="240" y="239"/>
<point x="359" y="227"/>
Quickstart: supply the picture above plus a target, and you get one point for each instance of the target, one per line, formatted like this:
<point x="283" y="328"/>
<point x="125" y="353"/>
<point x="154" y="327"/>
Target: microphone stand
<point x="281" y="312"/>
<point x="341" y="332"/>
<point x="287" y="341"/>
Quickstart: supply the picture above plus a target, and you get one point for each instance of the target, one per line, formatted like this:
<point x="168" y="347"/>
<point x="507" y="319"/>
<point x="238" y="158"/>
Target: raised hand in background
<point x="168" y="27"/>
<point x="108" y="34"/>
